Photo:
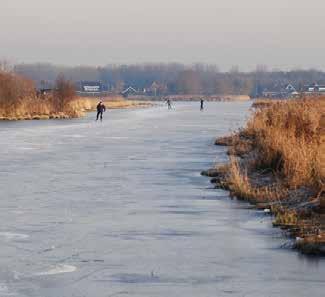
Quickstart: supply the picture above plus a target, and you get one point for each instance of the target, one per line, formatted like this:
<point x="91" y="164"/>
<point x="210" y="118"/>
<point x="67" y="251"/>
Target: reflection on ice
<point x="60" y="268"/>
<point x="9" y="236"/>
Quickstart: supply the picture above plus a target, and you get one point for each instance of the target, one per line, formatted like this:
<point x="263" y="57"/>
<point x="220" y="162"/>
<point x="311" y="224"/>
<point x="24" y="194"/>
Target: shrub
<point x="64" y="93"/>
<point x="13" y="90"/>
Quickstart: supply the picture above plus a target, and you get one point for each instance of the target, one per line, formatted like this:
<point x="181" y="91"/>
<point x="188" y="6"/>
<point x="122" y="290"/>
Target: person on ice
<point x="202" y="104"/>
<point x="100" y="109"/>
<point x="169" y="103"/>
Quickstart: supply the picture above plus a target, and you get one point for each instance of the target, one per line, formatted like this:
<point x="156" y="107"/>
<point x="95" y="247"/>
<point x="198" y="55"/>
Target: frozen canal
<point x="119" y="209"/>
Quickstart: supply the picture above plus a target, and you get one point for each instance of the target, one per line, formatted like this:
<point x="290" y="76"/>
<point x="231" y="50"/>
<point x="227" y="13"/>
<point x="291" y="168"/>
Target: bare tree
<point x="13" y="89"/>
<point x="64" y="92"/>
<point x="189" y="82"/>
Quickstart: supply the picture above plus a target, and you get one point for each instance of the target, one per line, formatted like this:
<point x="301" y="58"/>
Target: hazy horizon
<point x="281" y="34"/>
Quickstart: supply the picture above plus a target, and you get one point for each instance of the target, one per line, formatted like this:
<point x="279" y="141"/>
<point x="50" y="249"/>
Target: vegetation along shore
<point x="19" y="100"/>
<point x="277" y="162"/>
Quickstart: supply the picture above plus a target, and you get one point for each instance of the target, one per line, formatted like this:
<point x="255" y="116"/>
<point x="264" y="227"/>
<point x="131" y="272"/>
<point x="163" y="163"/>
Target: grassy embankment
<point x="223" y="97"/>
<point x="85" y="104"/>
<point x="277" y="162"/>
<point x="20" y="101"/>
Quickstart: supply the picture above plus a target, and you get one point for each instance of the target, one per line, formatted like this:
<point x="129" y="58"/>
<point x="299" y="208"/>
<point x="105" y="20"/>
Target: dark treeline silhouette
<point x="174" y="78"/>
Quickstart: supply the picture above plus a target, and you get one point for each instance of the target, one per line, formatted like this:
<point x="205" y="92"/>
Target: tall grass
<point x="19" y="99"/>
<point x="13" y="90"/>
<point x="278" y="162"/>
<point x="241" y="186"/>
<point x="287" y="139"/>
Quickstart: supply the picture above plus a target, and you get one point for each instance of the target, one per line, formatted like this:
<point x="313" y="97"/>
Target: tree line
<point x="174" y="78"/>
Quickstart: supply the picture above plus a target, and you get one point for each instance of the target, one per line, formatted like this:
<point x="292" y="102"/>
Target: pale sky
<point x="283" y="34"/>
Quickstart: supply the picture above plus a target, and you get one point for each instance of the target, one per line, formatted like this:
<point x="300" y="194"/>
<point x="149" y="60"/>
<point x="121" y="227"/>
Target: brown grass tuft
<point x="19" y="100"/>
<point x="283" y="166"/>
<point x="287" y="138"/>
<point x="242" y="187"/>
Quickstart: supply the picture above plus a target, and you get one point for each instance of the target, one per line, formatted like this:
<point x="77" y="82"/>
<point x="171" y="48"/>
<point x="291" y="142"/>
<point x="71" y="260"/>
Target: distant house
<point x="45" y="92"/>
<point x="314" y="89"/>
<point x="280" y="91"/>
<point x="91" y="86"/>
<point x="44" y="88"/>
<point x="129" y="91"/>
<point x="290" y="89"/>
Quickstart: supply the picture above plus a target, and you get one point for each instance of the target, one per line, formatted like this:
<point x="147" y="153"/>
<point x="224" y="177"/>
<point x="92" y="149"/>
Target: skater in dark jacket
<point x="100" y="109"/>
<point x="169" y="103"/>
<point x="202" y="104"/>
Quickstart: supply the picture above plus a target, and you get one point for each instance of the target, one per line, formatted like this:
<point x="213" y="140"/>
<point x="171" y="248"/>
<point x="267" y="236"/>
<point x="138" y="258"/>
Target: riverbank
<point x="276" y="164"/>
<point x="41" y="109"/>
<point x="19" y="100"/>
<point x="86" y="104"/>
<point x="193" y="97"/>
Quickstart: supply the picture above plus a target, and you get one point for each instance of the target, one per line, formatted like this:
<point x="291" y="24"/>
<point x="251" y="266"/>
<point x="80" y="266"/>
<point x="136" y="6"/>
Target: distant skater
<point x="202" y="104"/>
<point x="100" y="109"/>
<point x="169" y="104"/>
